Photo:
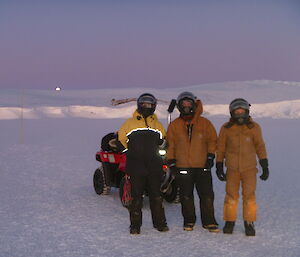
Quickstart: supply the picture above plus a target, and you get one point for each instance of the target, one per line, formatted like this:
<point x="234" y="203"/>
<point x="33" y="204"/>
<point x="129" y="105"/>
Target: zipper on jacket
<point x="145" y="119"/>
<point x="189" y="131"/>
<point x="239" y="161"/>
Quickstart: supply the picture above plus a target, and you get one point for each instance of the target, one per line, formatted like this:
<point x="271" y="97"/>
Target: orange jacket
<point x="239" y="145"/>
<point x="191" y="153"/>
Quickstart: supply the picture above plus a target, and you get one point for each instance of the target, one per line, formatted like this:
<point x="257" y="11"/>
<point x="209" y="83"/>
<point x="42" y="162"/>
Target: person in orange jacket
<point x="240" y="141"/>
<point x="192" y="142"/>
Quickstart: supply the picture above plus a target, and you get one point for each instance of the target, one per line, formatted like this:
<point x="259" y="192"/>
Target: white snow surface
<point x="48" y="206"/>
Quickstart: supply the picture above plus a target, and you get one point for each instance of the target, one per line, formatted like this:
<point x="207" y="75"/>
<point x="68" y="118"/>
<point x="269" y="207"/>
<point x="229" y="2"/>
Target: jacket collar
<point x="137" y="116"/>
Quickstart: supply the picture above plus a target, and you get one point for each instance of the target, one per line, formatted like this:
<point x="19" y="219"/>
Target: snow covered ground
<point x="48" y="206"/>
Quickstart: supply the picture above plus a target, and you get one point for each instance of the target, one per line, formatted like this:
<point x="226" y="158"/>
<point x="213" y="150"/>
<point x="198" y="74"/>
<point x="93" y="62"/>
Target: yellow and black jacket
<point x="140" y="136"/>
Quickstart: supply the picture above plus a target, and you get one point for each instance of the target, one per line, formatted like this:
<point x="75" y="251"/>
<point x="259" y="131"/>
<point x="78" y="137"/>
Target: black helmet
<point x="186" y="96"/>
<point x="238" y="103"/>
<point x="146" y="104"/>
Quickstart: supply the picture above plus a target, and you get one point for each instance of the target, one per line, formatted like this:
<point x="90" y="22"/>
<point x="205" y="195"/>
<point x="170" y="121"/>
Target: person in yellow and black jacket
<point x="192" y="142"/>
<point x="141" y="136"/>
<point x="240" y="141"/>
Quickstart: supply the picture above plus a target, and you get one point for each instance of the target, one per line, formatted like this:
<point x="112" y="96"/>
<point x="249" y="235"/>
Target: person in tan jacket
<point x="240" y="141"/>
<point x="192" y="142"/>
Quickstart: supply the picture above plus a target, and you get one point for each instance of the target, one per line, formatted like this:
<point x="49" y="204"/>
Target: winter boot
<point x="135" y="230"/>
<point x="212" y="228"/>
<point x="249" y="228"/>
<point x="163" y="228"/>
<point x="228" y="228"/>
<point x="188" y="226"/>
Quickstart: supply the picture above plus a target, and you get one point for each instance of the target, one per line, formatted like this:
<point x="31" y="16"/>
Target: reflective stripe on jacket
<point x="140" y="135"/>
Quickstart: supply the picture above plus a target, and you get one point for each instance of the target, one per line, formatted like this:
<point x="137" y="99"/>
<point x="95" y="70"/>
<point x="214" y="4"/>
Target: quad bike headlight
<point x="162" y="152"/>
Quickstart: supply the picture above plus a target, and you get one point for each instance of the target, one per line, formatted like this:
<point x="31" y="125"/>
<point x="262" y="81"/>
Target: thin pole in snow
<point x="22" y="118"/>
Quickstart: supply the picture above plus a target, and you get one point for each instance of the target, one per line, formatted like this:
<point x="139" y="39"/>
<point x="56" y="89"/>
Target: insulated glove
<point x="265" y="168"/>
<point x="118" y="146"/>
<point x="220" y="171"/>
<point x="162" y="144"/>
<point x="210" y="161"/>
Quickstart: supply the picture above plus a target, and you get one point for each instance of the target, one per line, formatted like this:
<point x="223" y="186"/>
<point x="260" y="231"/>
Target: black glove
<point x="119" y="147"/>
<point x="220" y="171"/>
<point x="162" y="144"/>
<point x="210" y="161"/>
<point x="265" y="167"/>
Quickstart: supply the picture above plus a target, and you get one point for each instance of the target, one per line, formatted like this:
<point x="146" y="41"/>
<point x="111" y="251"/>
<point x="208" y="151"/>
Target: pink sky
<point x="101" y="44"/>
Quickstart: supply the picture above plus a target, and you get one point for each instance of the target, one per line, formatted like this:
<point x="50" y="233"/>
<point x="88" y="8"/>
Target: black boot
<point x="135" y="214"/>
<point x="228" y="228"/>
<point x="163" y="228"/>
<point x="249" y="228"/>
<point x="135" y="230"/>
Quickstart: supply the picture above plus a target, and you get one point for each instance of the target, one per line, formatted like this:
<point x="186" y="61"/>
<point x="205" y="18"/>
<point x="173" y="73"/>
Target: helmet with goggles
<point x="186" y="103"/>
<point x="239" y="110"/>
<point x="146" y="104"/>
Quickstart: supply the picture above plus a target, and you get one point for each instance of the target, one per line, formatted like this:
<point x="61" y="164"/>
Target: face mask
<point x="241" y="119"/>
<point x="147" y="112"/>
<point x="186" y="107"/>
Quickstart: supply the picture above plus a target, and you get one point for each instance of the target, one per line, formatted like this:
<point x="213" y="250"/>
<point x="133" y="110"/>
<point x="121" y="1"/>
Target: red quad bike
<point x="111" y="173"/>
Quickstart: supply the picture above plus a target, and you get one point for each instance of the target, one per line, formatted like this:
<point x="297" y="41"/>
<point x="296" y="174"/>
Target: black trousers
<point x="146" y="176"/>
<point x="202" y="180"/>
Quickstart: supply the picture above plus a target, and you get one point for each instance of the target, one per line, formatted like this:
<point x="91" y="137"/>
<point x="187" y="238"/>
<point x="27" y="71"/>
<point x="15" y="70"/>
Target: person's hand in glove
<point x="116" y="146"/>
<point x="220" y="171"/>
<point x="209" y="161"/>
<point x="265" y="168"/>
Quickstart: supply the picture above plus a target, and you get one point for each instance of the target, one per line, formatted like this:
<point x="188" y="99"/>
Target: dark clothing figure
<point x="141" y="135"/>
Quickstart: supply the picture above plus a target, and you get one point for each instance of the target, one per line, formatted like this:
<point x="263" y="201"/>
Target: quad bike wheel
<point x="99" y="182"/>
<point x="172" y="194"/>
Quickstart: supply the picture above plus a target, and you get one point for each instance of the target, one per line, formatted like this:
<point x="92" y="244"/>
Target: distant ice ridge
<point x="276" y="110"/>
<point x="275" y="99"/>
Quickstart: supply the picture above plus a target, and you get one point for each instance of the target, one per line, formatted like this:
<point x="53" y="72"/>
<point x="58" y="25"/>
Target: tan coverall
<point x="239" y="145"/>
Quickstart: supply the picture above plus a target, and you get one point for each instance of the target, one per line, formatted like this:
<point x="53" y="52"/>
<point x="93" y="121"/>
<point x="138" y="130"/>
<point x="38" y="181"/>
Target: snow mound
<point x="275" y="99"/>
<point x="276" y="110"/>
